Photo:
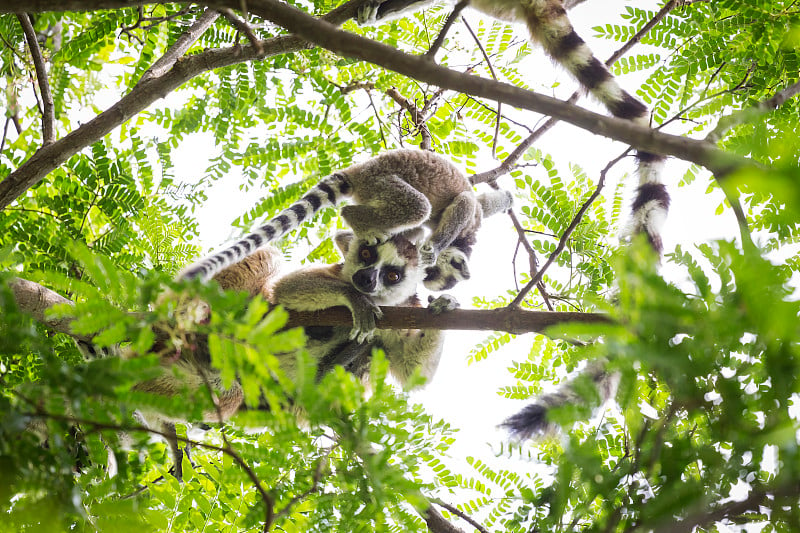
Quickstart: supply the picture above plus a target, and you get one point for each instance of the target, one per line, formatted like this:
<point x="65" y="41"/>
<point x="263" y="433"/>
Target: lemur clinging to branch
<point x="395" y="191"/>
<point x="549" y="26"/>
<point x="386" y="279"/>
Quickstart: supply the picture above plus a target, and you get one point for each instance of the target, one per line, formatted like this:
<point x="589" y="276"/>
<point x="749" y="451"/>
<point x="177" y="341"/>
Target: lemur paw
<point x="368" y="13"/>
<point x="364" y="315"/>
<point x="427" y="255"/>
<point x="442" y="303"/>
<point x="373" y="238"/>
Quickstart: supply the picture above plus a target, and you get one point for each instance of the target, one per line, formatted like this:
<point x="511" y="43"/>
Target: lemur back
<point x="549" y="25"/>
<point x="390" y="193"/>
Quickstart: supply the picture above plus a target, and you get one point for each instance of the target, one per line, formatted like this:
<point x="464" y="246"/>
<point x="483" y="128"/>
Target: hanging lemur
<point x="395" y="191"/>
<point x="549" y="26"/>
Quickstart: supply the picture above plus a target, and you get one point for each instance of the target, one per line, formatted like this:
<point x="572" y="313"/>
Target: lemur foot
<point x="368" y="12"/>
<point x="442" y="303"/>
<point x="427" y="255"/>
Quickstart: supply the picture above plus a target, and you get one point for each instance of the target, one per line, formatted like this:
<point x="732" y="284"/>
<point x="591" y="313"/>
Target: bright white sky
<point x="466" y="396"/>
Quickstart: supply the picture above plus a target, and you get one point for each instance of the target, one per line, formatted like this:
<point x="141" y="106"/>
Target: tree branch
<point x="516" y="321"/>
<point x="353" y="46"/>
<point x="437" y="523"/>
<point x="709" y="515"/>
<point x="35" y="300"/>
<point x="145" y="93"/>
<point x="745" y="115"/>
<point x="48" y="110"/>
<point x="461" y="514"/>
<point x="414" y="113"/>
<point x="182" y="44"/>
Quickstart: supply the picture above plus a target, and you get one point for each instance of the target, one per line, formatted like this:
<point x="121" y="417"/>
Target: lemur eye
<point x="365" y="253"/>
<point x="392" y="276"/>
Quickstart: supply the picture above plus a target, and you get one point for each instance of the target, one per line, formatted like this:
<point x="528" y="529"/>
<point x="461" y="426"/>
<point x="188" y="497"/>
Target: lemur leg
<point x="168" y="428"/>
<point x="388" y="206"/>
<point x="353" y="356"/>
<point x="456" y="216"/>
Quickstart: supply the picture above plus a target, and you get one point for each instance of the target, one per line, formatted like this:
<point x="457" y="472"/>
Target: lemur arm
<point x="321" y="287"/>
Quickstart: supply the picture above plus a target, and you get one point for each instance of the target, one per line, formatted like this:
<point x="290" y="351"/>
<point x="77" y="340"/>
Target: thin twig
<point x="419" y="121"/>
<point x="182" y="44"/>
<point x="571" y="228"/>
<point x="533" y="259"/>
<point x="494" y="77"/>
<point x="745" y="115"/>
<point x="457" y="9"/>
<point x="243" y="27"/>
<point x="461" y="514"/>
<point x="48" y="110"/>
<point x="314" y="485"/>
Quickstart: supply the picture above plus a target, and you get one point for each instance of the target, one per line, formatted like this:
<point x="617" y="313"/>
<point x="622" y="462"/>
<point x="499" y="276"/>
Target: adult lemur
<point x="549" y="25"/>
<point x="392" y="192"/>
<point x="387" y="279"/>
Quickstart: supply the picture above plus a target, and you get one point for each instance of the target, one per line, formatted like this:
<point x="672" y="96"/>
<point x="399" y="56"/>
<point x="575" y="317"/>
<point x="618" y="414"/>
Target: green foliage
<point x="706" y="411"/>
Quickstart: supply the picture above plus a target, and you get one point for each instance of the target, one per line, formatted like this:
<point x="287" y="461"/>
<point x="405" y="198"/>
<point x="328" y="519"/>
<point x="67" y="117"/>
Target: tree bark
<point x="34" y="299"/>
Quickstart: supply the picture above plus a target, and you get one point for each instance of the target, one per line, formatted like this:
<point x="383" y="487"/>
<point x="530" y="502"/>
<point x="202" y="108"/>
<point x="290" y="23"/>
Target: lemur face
<point x="387" y="272"/>
<point x="451" y="267"/>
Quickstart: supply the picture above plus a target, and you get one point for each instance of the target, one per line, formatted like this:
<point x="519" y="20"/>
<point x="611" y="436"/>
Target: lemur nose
<point x="366" y="279"/>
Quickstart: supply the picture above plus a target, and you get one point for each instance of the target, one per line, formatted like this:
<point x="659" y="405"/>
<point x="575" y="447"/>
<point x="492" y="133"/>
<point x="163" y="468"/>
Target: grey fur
<point x="391" y="193"/>
<point x="549" y="25"/>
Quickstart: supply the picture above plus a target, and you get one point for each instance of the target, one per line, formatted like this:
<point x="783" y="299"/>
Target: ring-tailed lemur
<point x="385" y="279"/>
<point x="549" y="25"/>
<point x="392" y="192"/>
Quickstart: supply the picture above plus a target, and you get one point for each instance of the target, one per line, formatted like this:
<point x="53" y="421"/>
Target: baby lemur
<point x="393" y="192"/>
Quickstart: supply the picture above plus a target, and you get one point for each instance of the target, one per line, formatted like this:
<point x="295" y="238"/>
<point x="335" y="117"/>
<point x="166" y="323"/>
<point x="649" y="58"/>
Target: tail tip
<point x="531" y="420"/>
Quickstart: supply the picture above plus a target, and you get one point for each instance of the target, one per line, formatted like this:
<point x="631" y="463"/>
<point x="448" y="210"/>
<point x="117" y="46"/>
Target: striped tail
<point x="549" y="25"/>
<point x="534" y="418"/>
<point x="329" y="192"/>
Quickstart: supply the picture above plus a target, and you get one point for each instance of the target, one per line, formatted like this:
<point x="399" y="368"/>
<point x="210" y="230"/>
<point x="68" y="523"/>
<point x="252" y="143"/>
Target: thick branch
<point x="418" y="68"/>
<point x="145" y="93"/>
<point x="35" y="300"/>
<point x="48" y="110"/>
<point x="516" y="321"/>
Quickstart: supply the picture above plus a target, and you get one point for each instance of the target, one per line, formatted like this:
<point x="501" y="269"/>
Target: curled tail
<point x="549" y="25"/>
<point x="328" y="192"/>
<point x="534" y="418"/>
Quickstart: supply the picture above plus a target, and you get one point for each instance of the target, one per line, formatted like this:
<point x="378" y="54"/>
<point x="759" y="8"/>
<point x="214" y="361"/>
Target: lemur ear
<point x="343" y="239"/>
